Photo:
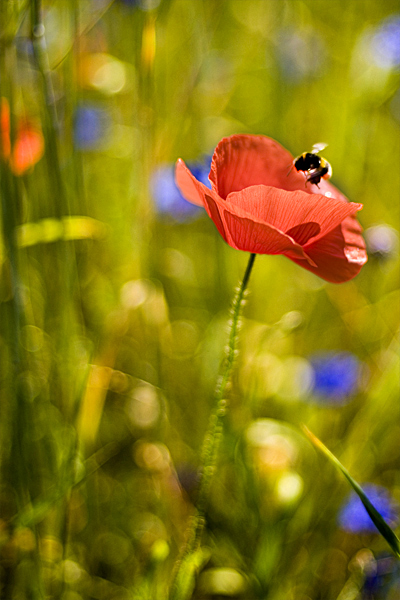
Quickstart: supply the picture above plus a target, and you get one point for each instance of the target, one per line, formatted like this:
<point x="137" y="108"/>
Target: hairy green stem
<point x="212" y="440"/>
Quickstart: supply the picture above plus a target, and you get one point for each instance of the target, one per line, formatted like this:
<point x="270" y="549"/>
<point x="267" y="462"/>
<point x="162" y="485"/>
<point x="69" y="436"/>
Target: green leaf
<point x="51" y="230"/>
<point x="379" y="522"/>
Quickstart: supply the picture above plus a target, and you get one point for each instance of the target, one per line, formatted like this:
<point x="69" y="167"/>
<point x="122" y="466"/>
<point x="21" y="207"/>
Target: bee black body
<point x="307" y="161"/>
<point x="314" y="167"/>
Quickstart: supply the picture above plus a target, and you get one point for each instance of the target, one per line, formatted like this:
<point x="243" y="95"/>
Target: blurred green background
<point x="115" y="300"/>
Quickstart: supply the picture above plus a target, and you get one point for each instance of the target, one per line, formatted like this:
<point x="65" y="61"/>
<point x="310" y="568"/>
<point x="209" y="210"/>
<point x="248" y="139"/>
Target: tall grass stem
<point x="212" y="442"/>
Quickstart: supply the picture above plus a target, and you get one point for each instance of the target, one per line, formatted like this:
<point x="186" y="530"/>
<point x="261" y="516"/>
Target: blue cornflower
<point x="90" y="126"/>
<point x="202" y="170"/>
<point x="336" y="376"/>
<point x="382" y="578"/>
<point x="354" y="518"/>
<point x="167" y="196"/>
<point x="385" y="43"/>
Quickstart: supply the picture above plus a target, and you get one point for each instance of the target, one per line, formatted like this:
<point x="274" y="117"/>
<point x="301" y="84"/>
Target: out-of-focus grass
<point x="113" y="315"/>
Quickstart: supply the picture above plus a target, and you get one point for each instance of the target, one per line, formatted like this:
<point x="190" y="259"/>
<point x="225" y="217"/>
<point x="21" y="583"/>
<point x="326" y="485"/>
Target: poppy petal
<point x="197" y="193"/>
<point x="5" y="128"/>
<point x="339" y="255"/>
<point x="244" y="232"/>
<point x="260" y="204"/>
<point x="215" y="213"/>
<point x="28" y="150"/>
<point x="192" y="189"/>
<point x="288" y="210"/>
<point x="326" y="188"/>
<point x="241" y="161"/>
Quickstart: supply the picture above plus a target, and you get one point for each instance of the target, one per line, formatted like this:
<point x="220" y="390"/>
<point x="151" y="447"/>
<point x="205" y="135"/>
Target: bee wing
<point x="318" y="148"/>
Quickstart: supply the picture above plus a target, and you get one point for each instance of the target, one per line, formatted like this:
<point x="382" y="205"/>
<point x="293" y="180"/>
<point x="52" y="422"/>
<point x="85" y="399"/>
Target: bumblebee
<point x="315" y="167"/>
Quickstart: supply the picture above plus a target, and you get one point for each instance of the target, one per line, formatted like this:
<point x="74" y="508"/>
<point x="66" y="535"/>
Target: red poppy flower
<point x="257" y="207"/>
<point x="28" y="147"/>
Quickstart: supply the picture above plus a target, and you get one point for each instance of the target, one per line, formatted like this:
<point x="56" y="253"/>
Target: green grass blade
<point x="186" y="580"/>
<point x="36" y="512"/>
<point x="375" y="516"/>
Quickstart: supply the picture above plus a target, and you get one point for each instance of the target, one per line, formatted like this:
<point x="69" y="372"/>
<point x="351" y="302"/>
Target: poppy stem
<point x="192" y="558"/>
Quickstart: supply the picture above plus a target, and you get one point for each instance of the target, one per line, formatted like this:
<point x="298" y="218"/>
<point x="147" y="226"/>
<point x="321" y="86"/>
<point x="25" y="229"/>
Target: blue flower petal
<point x="167" y="196"/>
<point x="336" y="376"/>
<point x="385" y="43"/>
<point x="354" y="518"/>
<point x="90" y="126"/>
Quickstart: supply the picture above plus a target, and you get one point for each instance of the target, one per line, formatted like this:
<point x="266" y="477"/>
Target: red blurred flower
<point x="258" y="208"/>
<point x="28" y="146"/>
